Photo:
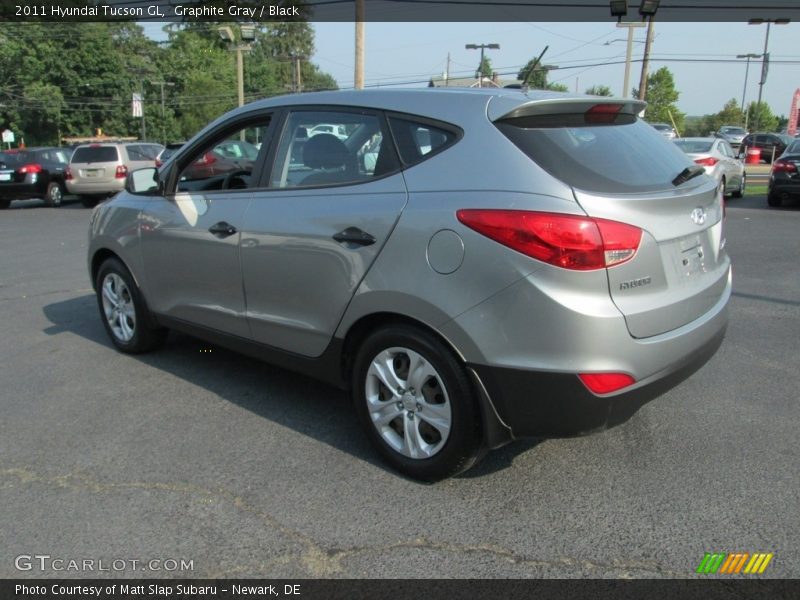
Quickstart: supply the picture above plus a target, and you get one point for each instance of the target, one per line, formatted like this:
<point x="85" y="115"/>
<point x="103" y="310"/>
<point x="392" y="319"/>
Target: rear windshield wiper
<point x="687" y="174"/>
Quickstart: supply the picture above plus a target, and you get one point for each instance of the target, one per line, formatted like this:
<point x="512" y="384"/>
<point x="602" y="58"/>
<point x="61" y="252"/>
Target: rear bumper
<point x="92" y="188"/>
<point x="782" y="184"/>
<point x="535" y="403"/>
<point x="20" y="191"/>
<point x="532" y="350"/>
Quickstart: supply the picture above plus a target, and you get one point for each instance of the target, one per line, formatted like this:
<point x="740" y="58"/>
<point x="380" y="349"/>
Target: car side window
<point x="416" y="140"/>
<point x="325" y="148"/>
<point x="225" y="164"/>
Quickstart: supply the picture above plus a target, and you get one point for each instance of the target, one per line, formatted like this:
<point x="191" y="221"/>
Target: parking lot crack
<point x="318" y="561"/>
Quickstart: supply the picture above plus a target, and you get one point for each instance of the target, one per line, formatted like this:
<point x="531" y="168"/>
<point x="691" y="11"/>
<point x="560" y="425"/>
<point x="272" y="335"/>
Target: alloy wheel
<point x="118" y="307"/>
<point x="408" y="403"/>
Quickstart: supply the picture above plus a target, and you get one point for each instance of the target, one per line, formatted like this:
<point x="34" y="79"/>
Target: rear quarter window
<point x="615" y="158"/>
<point x="417" y="140"/>
<point x="95" y="154"/>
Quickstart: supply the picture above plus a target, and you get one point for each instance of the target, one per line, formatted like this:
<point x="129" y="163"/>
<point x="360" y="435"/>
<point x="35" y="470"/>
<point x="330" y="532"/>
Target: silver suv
<point x="97" y="171"/>
<point x="474" y="266"/>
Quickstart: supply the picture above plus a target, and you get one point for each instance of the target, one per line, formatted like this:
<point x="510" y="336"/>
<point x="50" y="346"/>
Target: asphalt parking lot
<point x="197" y="453"/>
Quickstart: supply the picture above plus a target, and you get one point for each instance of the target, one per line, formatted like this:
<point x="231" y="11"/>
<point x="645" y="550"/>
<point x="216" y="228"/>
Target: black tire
<point x="54" y="194"/>
<point x="740" y="192"/>
<point x="145" y="336"/>
<point x="461" y="449"/>
<point x="4" y="203"/>
<point x="774" y="200"/>
<point x="90" y="201"/>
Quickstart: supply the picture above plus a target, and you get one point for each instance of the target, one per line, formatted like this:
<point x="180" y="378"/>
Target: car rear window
<point x="603" y="158"/>
<point x="693" y="146"/>
<point x="14" y="158"/>
<point x="95" y="154"/>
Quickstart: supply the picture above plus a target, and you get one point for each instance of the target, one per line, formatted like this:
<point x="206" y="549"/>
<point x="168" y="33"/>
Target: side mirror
<point x="143" y="182"/>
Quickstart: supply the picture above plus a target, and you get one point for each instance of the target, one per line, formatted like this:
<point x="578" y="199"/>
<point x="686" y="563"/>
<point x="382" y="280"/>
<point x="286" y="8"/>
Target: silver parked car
<point x="97" y="171"/>
<point x="732" y="134"/>
<point x="720" y="162"/>
<point x="668" y="131"/>
<point x="509" y="264"/>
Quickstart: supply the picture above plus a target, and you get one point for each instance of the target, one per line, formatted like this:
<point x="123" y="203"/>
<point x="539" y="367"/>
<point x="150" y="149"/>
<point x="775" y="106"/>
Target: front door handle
<point x="355" y="236"/>
<point x="222" y="229"/>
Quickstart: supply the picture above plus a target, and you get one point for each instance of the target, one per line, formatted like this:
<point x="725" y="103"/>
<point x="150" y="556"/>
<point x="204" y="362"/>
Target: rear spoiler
<point x="508" y="107"/>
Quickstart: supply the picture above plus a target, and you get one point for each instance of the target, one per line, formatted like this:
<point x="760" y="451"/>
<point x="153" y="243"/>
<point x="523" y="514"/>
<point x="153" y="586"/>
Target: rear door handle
<point x="222" y="229"/>
<point x="353" y="235"/>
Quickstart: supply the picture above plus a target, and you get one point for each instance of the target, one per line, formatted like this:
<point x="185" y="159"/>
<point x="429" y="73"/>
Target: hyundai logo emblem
<point x="699" y="216"/>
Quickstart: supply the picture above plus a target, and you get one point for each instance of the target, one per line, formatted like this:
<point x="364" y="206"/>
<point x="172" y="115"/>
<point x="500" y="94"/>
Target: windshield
<point x="694" y="146"/>
<point x="734" y="130"/>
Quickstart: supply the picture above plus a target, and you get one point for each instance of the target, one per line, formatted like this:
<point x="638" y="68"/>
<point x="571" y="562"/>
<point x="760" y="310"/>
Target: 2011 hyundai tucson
<point x="474" y="266"/>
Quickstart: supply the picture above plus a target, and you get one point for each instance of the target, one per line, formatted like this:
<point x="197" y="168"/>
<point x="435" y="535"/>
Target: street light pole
<point x="481" y="47"/>
<point x="248" y="36"/>
<point x="629" y="53"/>
<point x="764" y="60"/>
<point x="744" y="90"/>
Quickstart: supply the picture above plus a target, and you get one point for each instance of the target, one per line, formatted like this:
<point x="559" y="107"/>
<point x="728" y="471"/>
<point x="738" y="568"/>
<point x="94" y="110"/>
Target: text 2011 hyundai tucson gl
<point x="475" y="266"/>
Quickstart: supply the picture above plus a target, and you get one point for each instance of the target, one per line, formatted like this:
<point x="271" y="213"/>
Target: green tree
<point x="760" y="117"/>
<point x="599" y="90"/>
<point x="485" y="68"/>
<point x="731" y="114"/>
<point x="661" y="97"/>
<point x="538" y="74"/>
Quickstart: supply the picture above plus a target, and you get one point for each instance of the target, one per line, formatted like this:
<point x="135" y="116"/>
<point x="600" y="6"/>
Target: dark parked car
<point x="167" y="152"/>
<point x="227" y="157"/>
<point x="33" y="173"/>
<point x="784" y="180"/>
<point x="767" y="142"/>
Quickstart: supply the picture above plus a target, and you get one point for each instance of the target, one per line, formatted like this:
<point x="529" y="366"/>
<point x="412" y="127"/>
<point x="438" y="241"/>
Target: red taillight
<point x="602" y="113"/>
<point x="205" y="160"/>
<point x="605" y="383"/>
<point x="122" y="172"/>
<point x="784" y="166"/>
<point x="566" y="241"/>
<point x="30" y="168"/>
<point x="68" y="174"/>
<point x="158" y="162"/>
<point x="707" y="162"/>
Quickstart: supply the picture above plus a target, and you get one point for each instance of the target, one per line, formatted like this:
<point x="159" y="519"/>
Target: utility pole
<point x="646" y="59"/>
<point x="163" y="111"/>
<point x="764" y="60"/>
<point x="447" y="72"/>
<point x="359" y="74"/>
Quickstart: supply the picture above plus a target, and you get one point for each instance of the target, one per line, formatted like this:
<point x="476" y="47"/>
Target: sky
<point x="412" y="53"/>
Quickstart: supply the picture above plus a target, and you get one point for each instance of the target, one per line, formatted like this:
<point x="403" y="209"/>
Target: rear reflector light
<point x="784" y="166"/>
<point x="68" y="174"/>
<point x="707" y="162"/>
<point x="122" y="172"/>
<point x="605" y="383"/>
<point x="566" y="241"/>
<point x="31" y="168"/>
